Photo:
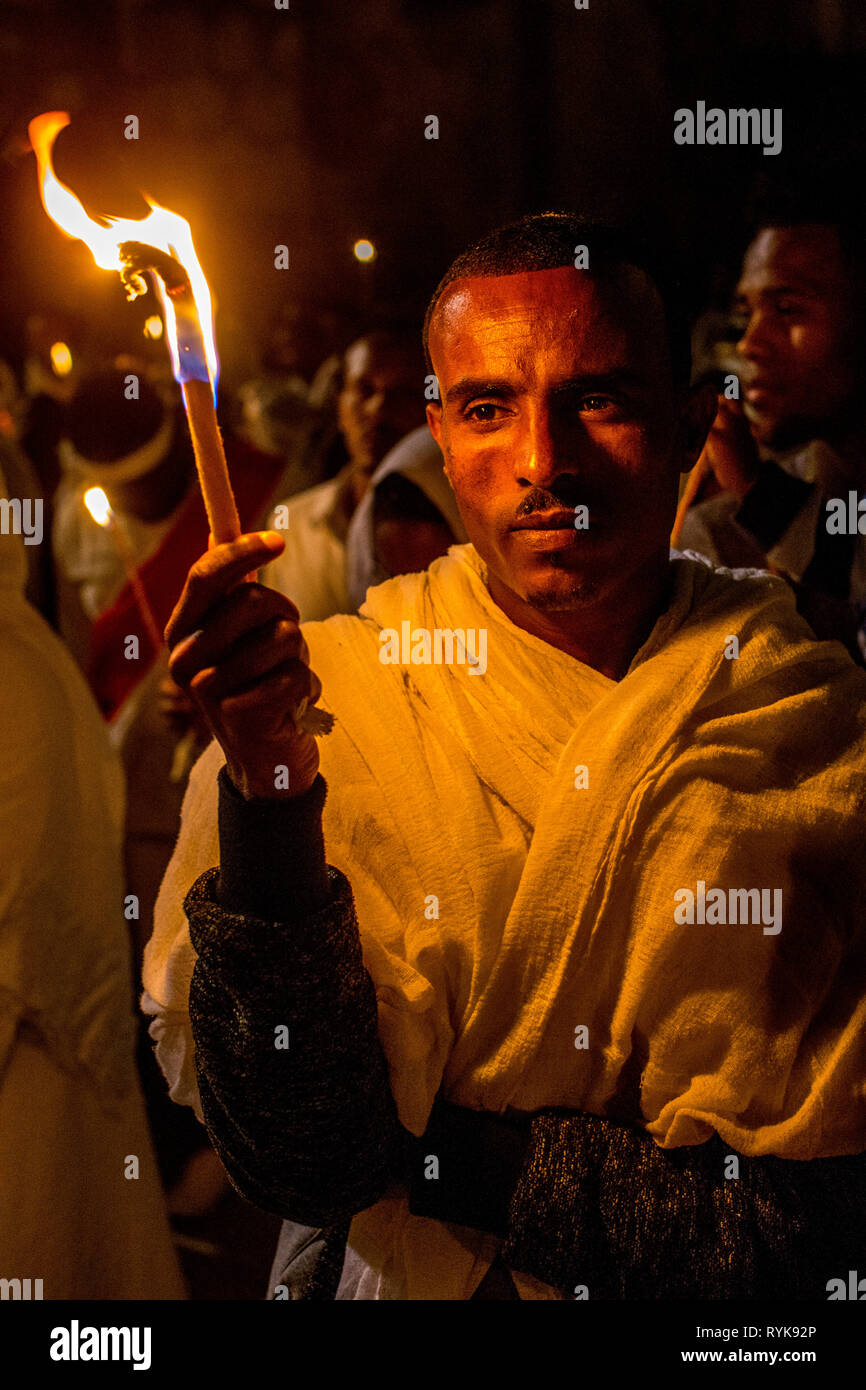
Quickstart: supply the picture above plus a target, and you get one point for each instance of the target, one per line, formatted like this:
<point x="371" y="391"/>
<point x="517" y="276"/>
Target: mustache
<point x="567" y="492"/>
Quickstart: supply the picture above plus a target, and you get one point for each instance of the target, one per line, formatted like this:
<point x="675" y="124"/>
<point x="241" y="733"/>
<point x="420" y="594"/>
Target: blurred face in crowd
<point x="556" y="392"/>
<point x="382" y="397"/>
<point x="408" y="547"/>
<point x="802" y="337"/>
<point x="409" y="531"/>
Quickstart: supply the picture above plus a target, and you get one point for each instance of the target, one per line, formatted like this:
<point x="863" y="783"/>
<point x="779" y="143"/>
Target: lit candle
<point x="161" y="244"/>
<point x="192" y="371"/>
<point x="100" y="509"/>
<point x="364" y="252"/>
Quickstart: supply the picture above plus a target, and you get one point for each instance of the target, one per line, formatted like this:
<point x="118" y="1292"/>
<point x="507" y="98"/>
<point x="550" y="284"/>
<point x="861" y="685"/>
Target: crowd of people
<point x="306" y="454"/>
<point x="339" y="449"/>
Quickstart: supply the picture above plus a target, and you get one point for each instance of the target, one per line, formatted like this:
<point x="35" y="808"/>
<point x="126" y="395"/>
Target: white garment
<point x="71" y="1110"/>
<point x="312" y="569"/>
<point x="86" y="553"/>
<point x="555" y="899"/>
<point x="711" y="530"/>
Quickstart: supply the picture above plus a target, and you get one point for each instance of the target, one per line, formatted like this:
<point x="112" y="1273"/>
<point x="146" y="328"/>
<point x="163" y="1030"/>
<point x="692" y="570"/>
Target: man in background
<point x="381" y="399"/>
<point x="797" y="437"/>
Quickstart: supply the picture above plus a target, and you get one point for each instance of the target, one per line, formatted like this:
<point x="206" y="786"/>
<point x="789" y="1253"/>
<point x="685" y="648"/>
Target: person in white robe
<point x="81" y="1206"/>
<point x="609" y="864"/>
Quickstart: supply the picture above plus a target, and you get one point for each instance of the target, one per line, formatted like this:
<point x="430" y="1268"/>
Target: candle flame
<point x="98" y="505"/>
<point x="61" y="359"/>
<point x="165" y="230"/>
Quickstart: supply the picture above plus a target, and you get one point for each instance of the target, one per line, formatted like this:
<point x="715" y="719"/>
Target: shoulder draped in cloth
<point x="556" y="902"/>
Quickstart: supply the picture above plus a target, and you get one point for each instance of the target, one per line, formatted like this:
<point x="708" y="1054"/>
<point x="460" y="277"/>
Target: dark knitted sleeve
<point x="293" y="1081"/>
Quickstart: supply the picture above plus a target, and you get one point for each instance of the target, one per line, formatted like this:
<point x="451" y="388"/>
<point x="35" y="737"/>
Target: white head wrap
<point x="419" y="458"/>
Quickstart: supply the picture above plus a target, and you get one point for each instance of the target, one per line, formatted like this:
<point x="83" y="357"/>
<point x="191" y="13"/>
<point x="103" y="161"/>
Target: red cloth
<point x="112" y="676"/>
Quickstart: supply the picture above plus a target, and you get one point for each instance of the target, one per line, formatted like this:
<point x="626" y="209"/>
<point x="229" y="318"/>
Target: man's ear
<point x="434" y="421"/>
<point x="696" y="416"/>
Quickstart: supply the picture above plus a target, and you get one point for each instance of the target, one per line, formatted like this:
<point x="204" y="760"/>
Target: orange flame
<point x="99" y="506"/>
<point x="166" y="230"/>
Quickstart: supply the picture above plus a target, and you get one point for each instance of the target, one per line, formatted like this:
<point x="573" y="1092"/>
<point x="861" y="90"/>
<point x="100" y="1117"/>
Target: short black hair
<point x="396" y="334"/>
<point x="548" y="240"/>
<point x="828" y="197"/>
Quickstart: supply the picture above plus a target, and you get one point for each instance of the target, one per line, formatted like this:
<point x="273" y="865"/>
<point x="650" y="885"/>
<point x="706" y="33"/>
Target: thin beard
<point x="579" y="595"/>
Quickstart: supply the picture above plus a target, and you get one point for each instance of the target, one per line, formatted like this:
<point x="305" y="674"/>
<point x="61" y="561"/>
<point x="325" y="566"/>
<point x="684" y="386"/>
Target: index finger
<point x="729" y="406"/>
<point x="215" y="574"/>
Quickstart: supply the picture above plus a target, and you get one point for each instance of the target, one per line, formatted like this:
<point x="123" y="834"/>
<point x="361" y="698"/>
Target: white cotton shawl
<point x="501" y="906"/>
<point x="64" y="948"/>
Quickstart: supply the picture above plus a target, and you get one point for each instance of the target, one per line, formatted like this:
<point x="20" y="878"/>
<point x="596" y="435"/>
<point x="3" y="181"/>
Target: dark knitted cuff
<point x="308" y="1130"/>
<point x="272" y="853"/>
<point x="234" y="941"/>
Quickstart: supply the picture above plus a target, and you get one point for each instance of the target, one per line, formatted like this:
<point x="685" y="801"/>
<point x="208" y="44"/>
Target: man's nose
<point x="755" y="343"/>
<point x="543" y="457"/>
<point x="374" y="405"/>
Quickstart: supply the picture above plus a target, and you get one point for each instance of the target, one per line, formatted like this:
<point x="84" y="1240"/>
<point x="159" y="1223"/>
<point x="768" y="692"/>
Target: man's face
<point x="381" y="399"/>
<point x="555" y="393"/>
<point x="800" y="337"/>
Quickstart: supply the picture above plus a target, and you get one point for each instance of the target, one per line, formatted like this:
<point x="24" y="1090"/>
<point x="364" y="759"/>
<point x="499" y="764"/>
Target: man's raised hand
<point x="730" y="449"/>
<point x="237" y="649"/>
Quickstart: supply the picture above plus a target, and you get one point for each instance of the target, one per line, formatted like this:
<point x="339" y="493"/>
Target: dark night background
<point x="306" y="127"/>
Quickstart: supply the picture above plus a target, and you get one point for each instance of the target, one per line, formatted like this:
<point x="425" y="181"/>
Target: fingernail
<point x="186" y="642"/>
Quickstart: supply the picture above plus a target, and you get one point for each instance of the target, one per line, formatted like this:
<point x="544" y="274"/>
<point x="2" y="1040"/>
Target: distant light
<point x="364" y="251"/>
<point x="61" y="359"/>
<point x="98" y="505"/>
<point x="153" y="327"/>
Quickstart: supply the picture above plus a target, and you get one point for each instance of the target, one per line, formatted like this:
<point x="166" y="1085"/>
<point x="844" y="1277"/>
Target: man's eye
<point x="788" y="307"/>
<point x="595" y="402"/>
<point x="483" y="412"/>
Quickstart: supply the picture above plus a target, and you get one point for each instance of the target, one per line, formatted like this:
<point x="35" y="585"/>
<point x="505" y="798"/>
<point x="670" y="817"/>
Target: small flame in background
<point x="98" y="505"/>
<point x="61" y="359"/>
<point x="164" y="229"/>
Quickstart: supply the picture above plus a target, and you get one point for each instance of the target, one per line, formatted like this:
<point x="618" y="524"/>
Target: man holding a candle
<point x="435" y="999"/>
